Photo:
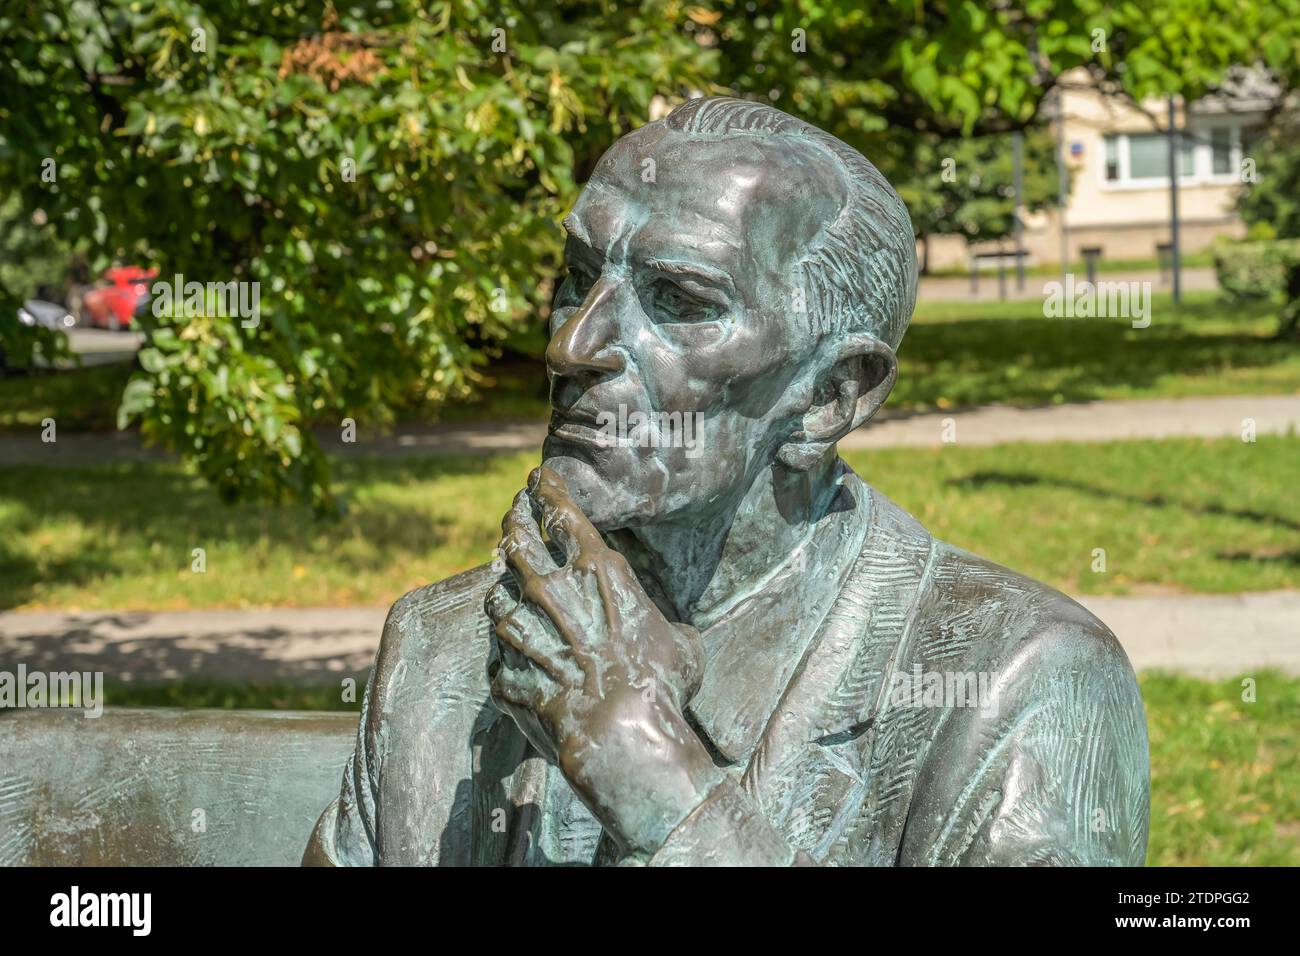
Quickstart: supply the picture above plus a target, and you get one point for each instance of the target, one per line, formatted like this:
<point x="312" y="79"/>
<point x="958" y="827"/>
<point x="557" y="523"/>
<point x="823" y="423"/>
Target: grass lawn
<point x="964" y="354"/>
<point x="83" y="399"/>
<point x="1171" y="515"/>
<point x="1225" y="777"/>
<point x="955" y="354"/>
<point x="1225" y="774"/>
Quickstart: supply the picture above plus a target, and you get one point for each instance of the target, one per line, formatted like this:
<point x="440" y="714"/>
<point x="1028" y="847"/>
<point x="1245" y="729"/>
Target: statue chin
<point x="600" y="497"/>
<point x="608" y="486"/>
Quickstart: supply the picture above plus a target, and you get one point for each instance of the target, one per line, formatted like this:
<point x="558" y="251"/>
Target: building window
<point x="1221" y="151"/>
<point x="1209" y="151"/>
<point x="1148" y="156"/>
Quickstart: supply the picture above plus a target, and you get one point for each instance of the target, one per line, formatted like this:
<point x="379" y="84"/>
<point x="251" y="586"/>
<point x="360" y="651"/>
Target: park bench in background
<point x="166" y="786"/>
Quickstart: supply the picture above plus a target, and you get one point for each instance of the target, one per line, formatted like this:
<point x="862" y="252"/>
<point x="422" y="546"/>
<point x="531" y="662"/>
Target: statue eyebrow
<point x="698" y="269"/>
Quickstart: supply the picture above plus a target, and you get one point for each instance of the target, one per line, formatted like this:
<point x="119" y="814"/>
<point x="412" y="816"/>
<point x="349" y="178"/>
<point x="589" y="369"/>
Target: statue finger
<point x="521" y="541"/>
<point x="519" y="687"/>
<point x="500" y="601"/>
<point x="514" y="632"/>
<point x="560" y="601"/>
<point x="518" y="697"/>
<point x="563" y="520"/>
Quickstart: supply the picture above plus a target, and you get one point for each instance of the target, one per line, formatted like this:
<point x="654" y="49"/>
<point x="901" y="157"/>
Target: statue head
<point x="738" y="281"/>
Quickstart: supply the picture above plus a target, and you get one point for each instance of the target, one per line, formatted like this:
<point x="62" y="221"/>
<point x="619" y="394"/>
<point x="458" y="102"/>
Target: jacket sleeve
<point x="345" y="833"/>
<point x="1052" y="770"/>
<point x="727" y="829"/>
<point x="409" y="795"/>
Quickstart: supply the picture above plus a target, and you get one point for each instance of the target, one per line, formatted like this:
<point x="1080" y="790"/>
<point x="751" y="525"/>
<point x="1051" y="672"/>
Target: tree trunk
<point x="1290" y="327"/>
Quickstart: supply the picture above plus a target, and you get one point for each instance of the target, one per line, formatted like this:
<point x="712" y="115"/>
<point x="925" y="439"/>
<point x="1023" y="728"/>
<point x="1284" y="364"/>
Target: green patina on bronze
<point x="164" y="786"/>
<point x="730" y="649"/>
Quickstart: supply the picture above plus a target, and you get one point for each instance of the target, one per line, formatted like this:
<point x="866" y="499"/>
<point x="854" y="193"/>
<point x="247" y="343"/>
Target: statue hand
<point x="594" y="674"/>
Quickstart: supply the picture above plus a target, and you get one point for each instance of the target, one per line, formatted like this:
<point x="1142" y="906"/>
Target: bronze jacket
<point x="942" y="711"/>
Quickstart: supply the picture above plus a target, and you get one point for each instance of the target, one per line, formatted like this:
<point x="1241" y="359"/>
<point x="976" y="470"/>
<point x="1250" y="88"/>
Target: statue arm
<point x="727" y="828"/>
<point x="344" y="834"/>
<point x="409" y="783"/>
<point x="1054" y="773"/>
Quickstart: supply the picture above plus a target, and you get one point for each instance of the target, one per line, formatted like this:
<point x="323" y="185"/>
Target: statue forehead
<point x="763" y="197"/>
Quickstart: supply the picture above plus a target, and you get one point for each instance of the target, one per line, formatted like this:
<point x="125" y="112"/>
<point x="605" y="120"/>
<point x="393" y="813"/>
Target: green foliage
<point x="393" y="182"/>
<point x="1272" y="201"/>
<point x="967" y="186"/>
<point x="1270" y="268"/>
<point x="969" y="67"/>
<point x="29" y="257"/>
<point x="1255" y="271"/>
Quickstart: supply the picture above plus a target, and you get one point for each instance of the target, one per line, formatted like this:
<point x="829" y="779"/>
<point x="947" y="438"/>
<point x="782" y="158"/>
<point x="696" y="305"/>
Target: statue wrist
<point x="645" y="779"/>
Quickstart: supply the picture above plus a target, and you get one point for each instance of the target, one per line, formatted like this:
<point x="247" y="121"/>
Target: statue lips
<point x="584" y="423"/>
<point x="580" y="429"/>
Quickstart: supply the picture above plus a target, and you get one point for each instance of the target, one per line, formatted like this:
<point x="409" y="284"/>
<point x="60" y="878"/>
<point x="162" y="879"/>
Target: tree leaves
<point x="392" y="173"/>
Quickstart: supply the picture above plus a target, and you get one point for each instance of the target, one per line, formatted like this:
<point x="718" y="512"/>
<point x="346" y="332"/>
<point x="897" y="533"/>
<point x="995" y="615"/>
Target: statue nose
<point x="586" y="340"/>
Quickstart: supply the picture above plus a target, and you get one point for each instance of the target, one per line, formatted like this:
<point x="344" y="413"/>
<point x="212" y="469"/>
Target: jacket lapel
<point x="813" y="766"/>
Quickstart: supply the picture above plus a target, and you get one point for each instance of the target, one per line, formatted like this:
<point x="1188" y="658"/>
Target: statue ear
<point x="856" y="377"/>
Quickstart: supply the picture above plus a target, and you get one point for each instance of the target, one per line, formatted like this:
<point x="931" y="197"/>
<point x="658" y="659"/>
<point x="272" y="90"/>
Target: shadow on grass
<point x="82" y="399"/>
<point x="175" y="512"/>
<point x="1034" y="360"/>
<point x="1019" y="479"/>
<point x="219" y="651"/>
<point x="1289" y="558"/>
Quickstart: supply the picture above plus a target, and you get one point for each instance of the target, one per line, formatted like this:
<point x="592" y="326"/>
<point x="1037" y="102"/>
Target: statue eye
<point x="672" y="303"/>
<point x="578" y="281"/>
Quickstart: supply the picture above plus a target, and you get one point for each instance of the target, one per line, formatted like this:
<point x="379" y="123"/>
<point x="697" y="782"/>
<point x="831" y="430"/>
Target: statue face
<point x="677" y="337"/>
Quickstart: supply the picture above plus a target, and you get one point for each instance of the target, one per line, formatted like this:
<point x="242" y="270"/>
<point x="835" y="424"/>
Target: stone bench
<point x="166" y="786"/>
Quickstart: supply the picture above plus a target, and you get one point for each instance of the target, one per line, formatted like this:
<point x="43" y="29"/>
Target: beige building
<point x="1117" y="155"/>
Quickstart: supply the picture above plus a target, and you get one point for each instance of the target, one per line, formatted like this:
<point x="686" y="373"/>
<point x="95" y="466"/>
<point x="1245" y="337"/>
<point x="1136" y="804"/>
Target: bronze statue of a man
<point x="730" y="649"/>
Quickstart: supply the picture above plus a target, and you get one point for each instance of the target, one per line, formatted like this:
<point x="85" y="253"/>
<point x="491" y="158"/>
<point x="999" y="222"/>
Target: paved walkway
<point x="92" y="448"/>
<point x="1206" y="635"/>
<point x="1212" y="417"/>
<point x="958" y="288"/>
<point x="1202" y="635"/>
<point x="280" y="645"/>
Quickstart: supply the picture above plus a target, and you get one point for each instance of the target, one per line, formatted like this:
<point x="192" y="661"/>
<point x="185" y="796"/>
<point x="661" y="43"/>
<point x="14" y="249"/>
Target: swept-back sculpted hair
<point x="860" y="271"/>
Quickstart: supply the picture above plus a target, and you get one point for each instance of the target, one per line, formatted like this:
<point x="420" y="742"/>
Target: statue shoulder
<point x="1016" y="618"/>
<point x="436" y="634"/>
<point x="426" y="699"/>
<point x="1049" y="761"/>
<point x="428" y="687"/>
<point x="981" y="616"/>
